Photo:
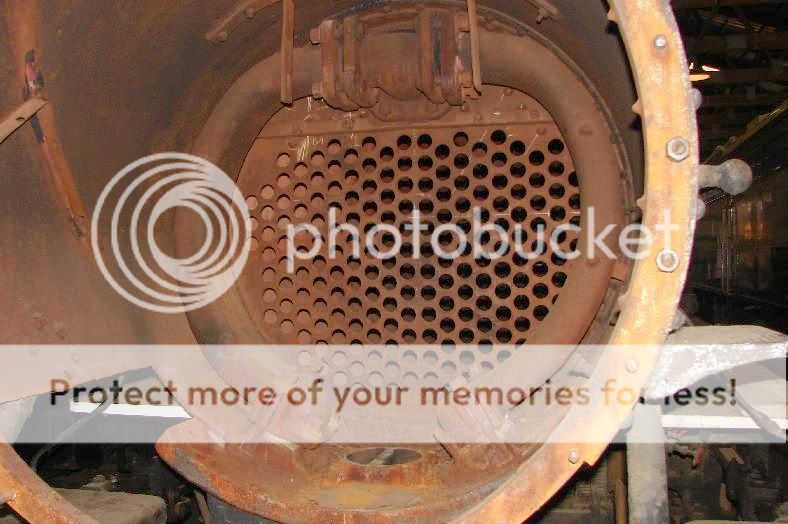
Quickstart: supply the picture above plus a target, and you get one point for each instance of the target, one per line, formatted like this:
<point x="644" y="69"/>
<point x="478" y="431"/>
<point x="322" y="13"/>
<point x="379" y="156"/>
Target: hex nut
<point x="678" y="149"/>
<point x="668" y="261"/>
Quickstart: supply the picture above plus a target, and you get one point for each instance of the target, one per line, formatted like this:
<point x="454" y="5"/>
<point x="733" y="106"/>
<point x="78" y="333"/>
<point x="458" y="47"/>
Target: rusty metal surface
<point x="30" y="496"/>
<point x="214" y="471"/>
<point x="19" y="116"/>
<point x="242" y="11"/>
<point x="286" y="52"/>
<point x="340" y="483"/>
<point x="665" y="104"/>
<point x="473" y="30"/>
<point x="125" y="122"/>
<point x="431" y="52"/>
<point x="507" y="157"/>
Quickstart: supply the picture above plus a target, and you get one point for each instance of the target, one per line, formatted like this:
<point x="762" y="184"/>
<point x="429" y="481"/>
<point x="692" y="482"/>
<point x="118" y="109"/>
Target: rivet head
<point x="678" y="149"/>
<point x="661" y="42"/>
<point x="632" y="365"/>
<point x="668" y="261"/>
<point x="697" y="98"/>
<point x="700" y="209"/>
<point x="574" y="456"/>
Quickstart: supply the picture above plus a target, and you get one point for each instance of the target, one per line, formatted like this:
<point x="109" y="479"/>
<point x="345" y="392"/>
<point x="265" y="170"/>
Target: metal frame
<point x="666" y="106"/>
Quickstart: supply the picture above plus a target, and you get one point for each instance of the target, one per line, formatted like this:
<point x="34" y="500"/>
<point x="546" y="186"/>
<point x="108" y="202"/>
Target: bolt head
<point x="632" y="365"/>
<point x="668" y="261"/>
<point x="574" y="456"/>
<point x="678" y="149"/>
<point x="661" y="42"/>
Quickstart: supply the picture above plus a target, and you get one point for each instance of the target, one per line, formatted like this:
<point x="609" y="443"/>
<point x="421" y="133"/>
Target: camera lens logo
<point x="140" y="202"/>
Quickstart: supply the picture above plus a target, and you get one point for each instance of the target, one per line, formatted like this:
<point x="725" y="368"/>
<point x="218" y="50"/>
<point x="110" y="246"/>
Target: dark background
<point x="737" y="49"/>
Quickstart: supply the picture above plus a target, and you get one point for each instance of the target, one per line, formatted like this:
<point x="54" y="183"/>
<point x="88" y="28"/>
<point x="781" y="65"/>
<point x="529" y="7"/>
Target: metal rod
<point x="476" y="66"/>
<point x="288" y="29"/>
<point x="646" y="467"/>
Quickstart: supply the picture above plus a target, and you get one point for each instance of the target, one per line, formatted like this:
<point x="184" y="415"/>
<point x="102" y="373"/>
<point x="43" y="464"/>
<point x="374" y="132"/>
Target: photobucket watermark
<point x="131" y="208"/>
<point x="483" y="239"/>
<point x="140" y="201"/>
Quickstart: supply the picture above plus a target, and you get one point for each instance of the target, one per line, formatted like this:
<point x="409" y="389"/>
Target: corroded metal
<point x="506" y="157"/>
<point x="432" y="56"/>
<point x="334" y="483"/>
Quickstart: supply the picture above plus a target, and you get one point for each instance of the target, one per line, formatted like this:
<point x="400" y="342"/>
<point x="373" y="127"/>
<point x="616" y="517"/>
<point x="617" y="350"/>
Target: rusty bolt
<point x="347" y="123"/>
<point x="507" y="91"/>
<point x="661" y="42"/>
<point x="574" y="456"/>
<point x="477" y="117"/>
<point x="249" y="12"/>
<point x="668" y="261"/>
<point x="678" y="149"/>
<point x="223" y="36"/>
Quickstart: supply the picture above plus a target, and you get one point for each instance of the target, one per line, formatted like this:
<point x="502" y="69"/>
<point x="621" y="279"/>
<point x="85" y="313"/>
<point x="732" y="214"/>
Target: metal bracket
<point x="19" y="116"/>
<point x="440" y="72"/>
<point x="693" y="353"/>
